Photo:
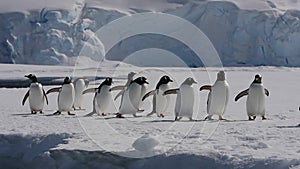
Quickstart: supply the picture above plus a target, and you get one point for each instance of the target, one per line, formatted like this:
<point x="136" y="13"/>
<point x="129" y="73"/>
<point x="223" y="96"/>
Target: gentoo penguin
<point x="160" y="101"/>
<point x="102" y="97"/>
<point x="65" y="97"/>
<point x="123" y="88"/>
<point x="132" y="97"/>
<point x="185" y="99"/>
<point x="217" y="97"/>
<point x="36" y="95"/>
<point x="256" y="98"/>
<point x="80" y="84"/>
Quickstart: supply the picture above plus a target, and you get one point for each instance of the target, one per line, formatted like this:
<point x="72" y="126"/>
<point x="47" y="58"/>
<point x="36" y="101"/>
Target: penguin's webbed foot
<point x="103" y="114"/>
<point x="33" y="112"/>
<point x="71" y="114"/>
<point x="178" y="118"/>
<point x="161" y="115"/>
<point x="140" y="111"/>
<point x="209" y="117"/>
<point x="221" y="118"/>
<point x="251" y="119"/>
<point x="57" y="113"/>
<point x="263" y="118"/>
<point x="41" y="112"/>
<point x="119" y="115"/>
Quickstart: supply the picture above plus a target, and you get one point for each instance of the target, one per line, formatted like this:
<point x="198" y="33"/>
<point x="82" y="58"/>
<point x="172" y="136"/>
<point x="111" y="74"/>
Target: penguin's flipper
<point x="171" y="91"/>
<point x="45" y="95"/>
<point x="117" y="88"/>
<point x="148" y="94"/>
<point x="267" y="92"/>
<point x="90" y="90"/>
<point x="25" y="97"/>
<point x="56" y="89"/>
<point x="241" y="94"/>
<point x="205" y="87"/>
<point x="119" y="94"/>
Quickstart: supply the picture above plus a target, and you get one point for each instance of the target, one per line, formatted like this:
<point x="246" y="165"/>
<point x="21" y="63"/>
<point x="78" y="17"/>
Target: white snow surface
<point x="64" y="141"/>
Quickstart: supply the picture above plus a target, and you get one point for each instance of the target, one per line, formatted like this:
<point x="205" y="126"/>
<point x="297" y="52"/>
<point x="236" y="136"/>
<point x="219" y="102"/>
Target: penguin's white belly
<point x="131" y="100"/>
<point x="256" y="100"/>
<point x="79" y="88"/>
<point x="161" y="102"/>
<point x="103" y="99"/>
<point x="218" y="99"/>
<point x="185" y="101"/>
<point x="66" y="97"/>
<point x="36" y="97"/>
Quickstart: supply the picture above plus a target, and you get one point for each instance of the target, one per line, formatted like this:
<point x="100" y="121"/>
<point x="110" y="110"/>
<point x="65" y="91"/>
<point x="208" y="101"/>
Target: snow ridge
<point x="19" y="151"/>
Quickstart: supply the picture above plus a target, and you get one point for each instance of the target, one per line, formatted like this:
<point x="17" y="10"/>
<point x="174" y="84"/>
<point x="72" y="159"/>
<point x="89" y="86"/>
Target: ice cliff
<point x="242" y="37"/>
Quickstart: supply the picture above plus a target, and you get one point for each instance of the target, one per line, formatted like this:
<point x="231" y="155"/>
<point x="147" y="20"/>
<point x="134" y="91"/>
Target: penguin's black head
<point x="32" y="77"/>
<point x="107" y="81"/>
<point x="67" y="80"/>
<point x="257" y="79"/>
<point x="140" y="80"/>
<point x="164" y="80"/>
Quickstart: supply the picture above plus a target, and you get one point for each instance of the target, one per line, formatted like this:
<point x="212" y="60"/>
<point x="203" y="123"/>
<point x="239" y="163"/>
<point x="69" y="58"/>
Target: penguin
<point x="36" y="95"/>
<point x="131" y="100"/>
<point x="123" y="88"/>
<point x="217" y="97"/>
<point x="185" y="99"/>
<point x="66" y="96"/>
<point x="256" y="98"/>
<point x="80" y="84"/>
<point x="160" y="102"/>
<point x="102" y="97"/>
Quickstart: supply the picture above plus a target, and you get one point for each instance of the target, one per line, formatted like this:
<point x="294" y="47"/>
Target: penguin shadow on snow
<point x="287" y="127"/>
<point x="171" y="120"/>
<point x="129" y="117"/>
<point x="243" y="120"/>
<point x="24" y="114"/>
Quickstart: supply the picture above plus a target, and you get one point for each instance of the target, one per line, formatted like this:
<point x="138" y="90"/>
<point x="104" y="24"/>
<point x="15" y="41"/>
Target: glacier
<point x="242" y="37"/>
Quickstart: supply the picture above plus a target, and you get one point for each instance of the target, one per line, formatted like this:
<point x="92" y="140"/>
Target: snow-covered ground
<point x="42" y="141"/>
